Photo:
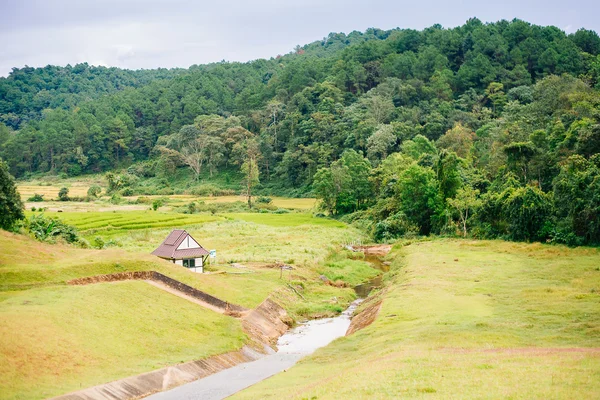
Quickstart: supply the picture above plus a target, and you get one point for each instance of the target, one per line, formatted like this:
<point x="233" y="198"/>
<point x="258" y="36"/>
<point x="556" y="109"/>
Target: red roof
<point x="168" y="248"/>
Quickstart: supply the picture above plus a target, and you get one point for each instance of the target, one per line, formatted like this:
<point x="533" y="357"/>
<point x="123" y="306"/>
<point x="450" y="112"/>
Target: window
<point x="189" y="262"/>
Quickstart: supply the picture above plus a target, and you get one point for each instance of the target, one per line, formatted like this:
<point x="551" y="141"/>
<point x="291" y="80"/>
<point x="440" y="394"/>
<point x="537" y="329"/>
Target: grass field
<point x="55" y="340"/>
<point x="79" y="188"/>
<point x="464" y="319"/>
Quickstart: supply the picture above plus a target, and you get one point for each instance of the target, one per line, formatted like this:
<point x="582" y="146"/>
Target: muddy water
<point x="363" y="290"/>
<point x="309" y="336"/>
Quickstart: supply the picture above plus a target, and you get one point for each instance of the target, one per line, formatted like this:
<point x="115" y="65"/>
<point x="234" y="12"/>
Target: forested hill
<point x="493" y="114"/>
<point x="27" y="91"/>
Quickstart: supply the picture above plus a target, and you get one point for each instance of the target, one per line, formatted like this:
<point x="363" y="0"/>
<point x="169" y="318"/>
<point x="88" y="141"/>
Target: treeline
<point x="502" y="107"/>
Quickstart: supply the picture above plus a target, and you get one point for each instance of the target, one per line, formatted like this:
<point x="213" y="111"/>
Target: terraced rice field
<point x="119" y="223"/>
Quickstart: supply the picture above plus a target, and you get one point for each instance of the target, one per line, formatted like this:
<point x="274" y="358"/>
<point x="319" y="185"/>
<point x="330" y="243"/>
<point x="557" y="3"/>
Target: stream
<point x="292" y="346"/>
<point x="363" y="290"/>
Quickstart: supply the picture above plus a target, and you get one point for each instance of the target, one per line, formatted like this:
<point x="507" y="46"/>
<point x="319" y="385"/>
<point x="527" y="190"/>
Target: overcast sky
<point x="179" y="33"/>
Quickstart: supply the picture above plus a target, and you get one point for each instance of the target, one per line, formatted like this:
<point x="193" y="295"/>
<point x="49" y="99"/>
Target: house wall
<point x="188" y="243"/>
<point x="179" y="262"/>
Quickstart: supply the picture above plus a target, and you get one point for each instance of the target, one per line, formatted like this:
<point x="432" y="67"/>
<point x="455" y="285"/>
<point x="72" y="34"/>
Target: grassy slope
<point x="62" y="338"/>
<point x="58" y="339"/>
<point x="46" y="265"/>
<point x="467" y="320"/>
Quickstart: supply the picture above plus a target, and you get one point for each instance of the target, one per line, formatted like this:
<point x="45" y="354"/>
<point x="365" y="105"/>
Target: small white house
<point x="181" y="248"/>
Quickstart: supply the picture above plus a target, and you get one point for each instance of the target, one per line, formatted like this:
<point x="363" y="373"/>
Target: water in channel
<point x="292" y="346"/>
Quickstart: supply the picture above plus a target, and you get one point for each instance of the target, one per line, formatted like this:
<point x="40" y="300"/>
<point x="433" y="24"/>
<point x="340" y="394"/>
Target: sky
<point x="148" y="34"/>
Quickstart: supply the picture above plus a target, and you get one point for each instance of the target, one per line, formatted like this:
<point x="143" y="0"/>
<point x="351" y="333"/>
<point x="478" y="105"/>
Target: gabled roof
<point x="168" y="248"/>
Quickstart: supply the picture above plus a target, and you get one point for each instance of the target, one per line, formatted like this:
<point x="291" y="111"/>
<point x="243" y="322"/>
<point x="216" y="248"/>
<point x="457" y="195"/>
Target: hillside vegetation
<point x="466" y="319"/>
<point x="490" y="130"/>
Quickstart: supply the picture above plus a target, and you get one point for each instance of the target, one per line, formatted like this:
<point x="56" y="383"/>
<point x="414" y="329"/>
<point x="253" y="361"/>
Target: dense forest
<point x="490" y="130"/>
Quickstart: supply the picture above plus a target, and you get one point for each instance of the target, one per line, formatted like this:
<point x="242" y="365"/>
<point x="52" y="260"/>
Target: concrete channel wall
<point x="158" y="277"/>
<point x="263" y="325"/>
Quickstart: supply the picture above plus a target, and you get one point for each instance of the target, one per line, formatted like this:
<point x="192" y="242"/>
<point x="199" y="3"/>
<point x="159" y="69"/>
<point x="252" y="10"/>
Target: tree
<point x="250" y="168"/>
<point x="458" y="139"/>
<point x="380" y="143"/>
<point x="526" y="210"/>
<point x="11" y="206"/>
<point x="329" y="184"/>
<point x="465" y="203"/>
<point x="417" y="194"/>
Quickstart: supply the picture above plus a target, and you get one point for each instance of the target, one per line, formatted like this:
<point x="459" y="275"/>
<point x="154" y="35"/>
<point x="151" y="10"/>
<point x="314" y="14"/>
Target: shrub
<point x="63" y="194"/>
<point x="94" y="191"/>
<point x="36" y="197"/>
<point x="33" y="209"/>
<point x="264" y="200"/>
<point x="281" y="211"/>
<point x="49" y="229"/>
<point x="127" y="192"/>
<point x="99" y="242"/>
<point x="156" y="204"/>
<point x="115" y="199"/>
<point x="210" y="190"/>
<point x="393" y="227"/>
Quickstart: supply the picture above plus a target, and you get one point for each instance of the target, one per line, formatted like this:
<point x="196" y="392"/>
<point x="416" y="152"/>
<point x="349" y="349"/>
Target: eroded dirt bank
<point x="364" y="318"/>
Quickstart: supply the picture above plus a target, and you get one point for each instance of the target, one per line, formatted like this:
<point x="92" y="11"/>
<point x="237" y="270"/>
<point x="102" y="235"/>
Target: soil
<point x="364" y="318"/>
<point x="376" y="250"/>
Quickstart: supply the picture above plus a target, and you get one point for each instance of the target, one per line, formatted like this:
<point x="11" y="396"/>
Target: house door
<point x="189" y="262"/>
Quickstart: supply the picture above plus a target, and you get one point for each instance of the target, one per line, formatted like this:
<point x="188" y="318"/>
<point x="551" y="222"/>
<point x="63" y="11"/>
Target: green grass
<point x="291" y="219"/>
<point x="341" y="267"/>
<point x="467" y="319"/>
<point x="59" y="339"/>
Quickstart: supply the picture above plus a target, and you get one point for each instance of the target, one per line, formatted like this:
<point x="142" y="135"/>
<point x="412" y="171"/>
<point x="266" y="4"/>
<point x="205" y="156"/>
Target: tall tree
<point x="11" y="207"/>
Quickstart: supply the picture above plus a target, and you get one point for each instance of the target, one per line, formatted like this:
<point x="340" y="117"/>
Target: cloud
<point x="178" y="33"/>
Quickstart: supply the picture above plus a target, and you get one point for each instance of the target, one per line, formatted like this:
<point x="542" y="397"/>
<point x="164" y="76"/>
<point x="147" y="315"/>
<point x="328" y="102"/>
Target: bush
<point x="127" y="192"/>
<point x="94" y="191"/>
<point x="156" y="204"/>
<point x="49" y="229"/>
<point x="36" y="197"/>
<point x="191" y="208"/>
<point x="281" y="211"/>
<point x="210" y="190"/>
<point x="264" y="200"/>
<point x="144" y="169"/>
<point x="115" y="199"/>
<point x="33" y="209"/>
<point x="63" y="194"/>
<point x="99" y="242"/>
<point x="393" y="227"/>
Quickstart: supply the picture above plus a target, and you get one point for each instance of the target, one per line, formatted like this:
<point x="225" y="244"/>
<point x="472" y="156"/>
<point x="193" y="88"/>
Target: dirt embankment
<point x="376" y="250"/>
<point x="364" y="318"/>
<point x="267" y="322"/>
